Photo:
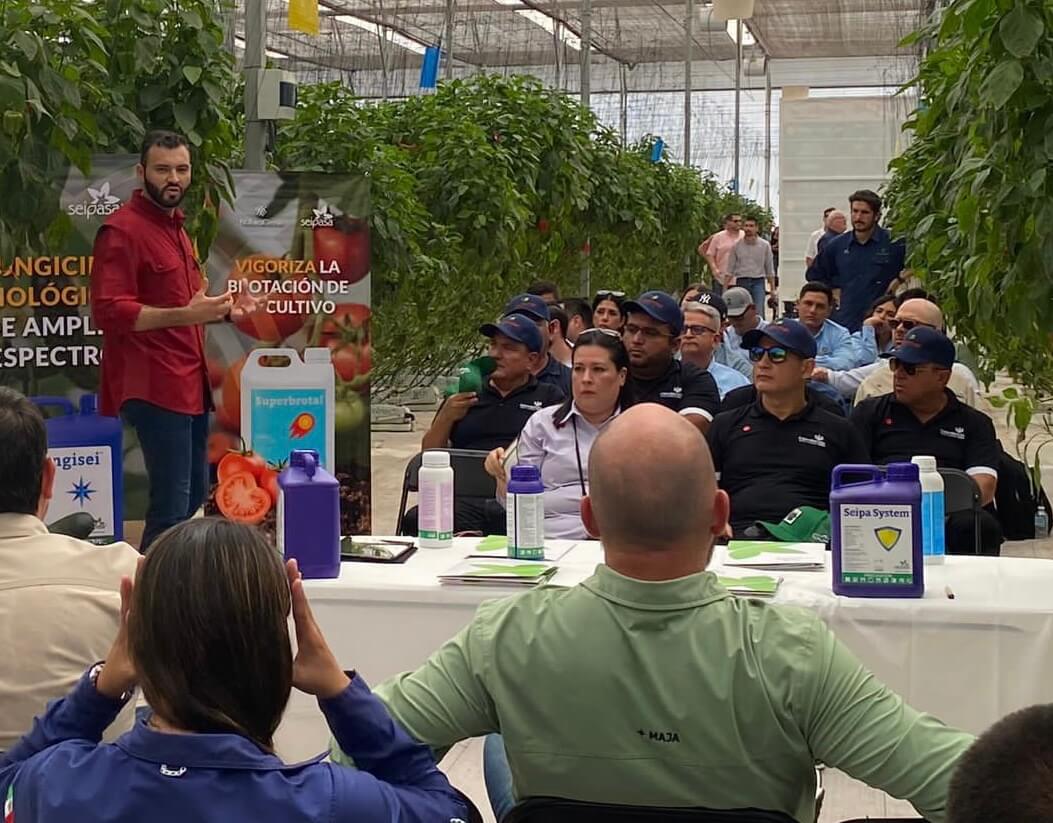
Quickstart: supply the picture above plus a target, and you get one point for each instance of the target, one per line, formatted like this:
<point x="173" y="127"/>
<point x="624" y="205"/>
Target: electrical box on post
<point x="276" y="93"/>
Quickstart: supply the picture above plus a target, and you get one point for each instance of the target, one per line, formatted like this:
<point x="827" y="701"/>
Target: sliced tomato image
<point x="238" y="498"/>
<point x="236" y="462"/>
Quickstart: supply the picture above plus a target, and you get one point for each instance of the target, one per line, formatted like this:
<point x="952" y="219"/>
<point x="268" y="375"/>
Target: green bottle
<point x="471" y="376"/>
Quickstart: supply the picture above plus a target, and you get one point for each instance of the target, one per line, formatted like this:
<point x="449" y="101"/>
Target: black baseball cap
<point x="924" y="345"/>
<point x="518" y="327"/>
<point x="658" y="306"/>
<point x="529" y="304"/>
<point x="788" y="333"/>
<point x="711" y="298"/>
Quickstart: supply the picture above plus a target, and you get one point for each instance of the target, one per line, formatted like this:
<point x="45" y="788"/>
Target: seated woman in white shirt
<point x="557" y="439"/>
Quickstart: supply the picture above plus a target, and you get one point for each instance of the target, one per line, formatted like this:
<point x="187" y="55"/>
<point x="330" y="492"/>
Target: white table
<point x="969" y="660"/>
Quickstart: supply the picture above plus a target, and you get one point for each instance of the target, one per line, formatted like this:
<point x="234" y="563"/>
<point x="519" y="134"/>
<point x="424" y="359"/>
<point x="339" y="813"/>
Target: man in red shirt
<point x="148" y="298"/>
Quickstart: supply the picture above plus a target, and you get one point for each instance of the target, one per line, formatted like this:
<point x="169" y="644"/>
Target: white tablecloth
<point x="969" y="660"/>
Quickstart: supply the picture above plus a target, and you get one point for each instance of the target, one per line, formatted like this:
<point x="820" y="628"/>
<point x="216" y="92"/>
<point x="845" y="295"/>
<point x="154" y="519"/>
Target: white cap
<point x="436" y="459"/>
<point x="924" y="462"/>
<point x="317" y="355"/>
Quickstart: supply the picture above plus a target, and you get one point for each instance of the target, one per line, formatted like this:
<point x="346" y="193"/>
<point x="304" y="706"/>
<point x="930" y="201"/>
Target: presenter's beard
<point x="167" y="197"/>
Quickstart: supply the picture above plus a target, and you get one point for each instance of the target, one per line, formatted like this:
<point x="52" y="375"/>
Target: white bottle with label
<point x="932" y="510"/>
<point x="289" y="403"/>
<point x="435" y="501"/>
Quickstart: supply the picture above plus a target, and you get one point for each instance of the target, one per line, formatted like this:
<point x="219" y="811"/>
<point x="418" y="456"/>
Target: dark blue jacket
<point x="862" y="271"/>
<point x="59" y="773"/>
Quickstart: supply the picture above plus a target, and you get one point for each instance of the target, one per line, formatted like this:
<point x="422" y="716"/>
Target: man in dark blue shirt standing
<point x="862" y="264"/>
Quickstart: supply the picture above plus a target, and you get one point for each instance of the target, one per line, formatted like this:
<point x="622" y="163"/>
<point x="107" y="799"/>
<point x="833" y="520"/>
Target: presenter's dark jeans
<point x="175" y="451"/>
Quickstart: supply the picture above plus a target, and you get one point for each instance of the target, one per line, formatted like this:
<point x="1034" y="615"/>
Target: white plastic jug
<point x="289" y="406"/>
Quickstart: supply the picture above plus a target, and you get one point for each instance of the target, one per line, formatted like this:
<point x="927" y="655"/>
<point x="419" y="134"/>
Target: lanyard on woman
<point x="577" y="453"/>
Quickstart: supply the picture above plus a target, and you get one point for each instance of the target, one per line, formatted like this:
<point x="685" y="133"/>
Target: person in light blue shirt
<point x="698" y="344"/>
<point x="726" y="354"/>
<point x="835" y="348"/>
<point x="557" y="439"/>
<point x="742" y="316"/>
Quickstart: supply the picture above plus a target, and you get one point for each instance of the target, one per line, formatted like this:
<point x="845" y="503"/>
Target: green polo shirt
<point x="672" y="694"/>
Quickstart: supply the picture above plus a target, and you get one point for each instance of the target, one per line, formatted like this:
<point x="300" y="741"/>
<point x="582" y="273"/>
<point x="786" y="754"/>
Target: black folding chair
<point x="961" y="494"/>
<point x="559" y="810"/>
<point x="469" y="478"/>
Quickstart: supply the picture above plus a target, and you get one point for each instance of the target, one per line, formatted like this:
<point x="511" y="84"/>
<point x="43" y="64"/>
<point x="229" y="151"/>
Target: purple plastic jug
<point x="877" y="535"/>
<point x="309" y="516"/>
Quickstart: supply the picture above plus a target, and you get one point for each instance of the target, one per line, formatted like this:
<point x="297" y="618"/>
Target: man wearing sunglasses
<point x="922" y="416"/>
<point x="777" y="453"/>
<point x="652" y="338"/>
<point x="701" y="338"/>
<point x="874" y="379"/>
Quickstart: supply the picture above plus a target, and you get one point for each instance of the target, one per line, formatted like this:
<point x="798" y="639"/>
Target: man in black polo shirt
<point x="776" y="454"/>
<point x="652" y="338"/>
<point x="495" y="416"/>
<point x="921" y="416"/>
<point x="492" y="417"/>
<point x="547" y="370"/>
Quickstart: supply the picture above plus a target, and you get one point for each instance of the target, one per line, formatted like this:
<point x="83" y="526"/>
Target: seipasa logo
<point x="98" y="202"/>
<point x="321" y="218"/>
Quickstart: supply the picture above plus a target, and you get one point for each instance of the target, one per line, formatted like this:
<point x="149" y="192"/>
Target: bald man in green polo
<point x="649" y="684"/>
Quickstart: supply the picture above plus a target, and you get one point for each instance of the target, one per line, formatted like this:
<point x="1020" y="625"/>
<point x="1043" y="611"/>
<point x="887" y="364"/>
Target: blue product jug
<point x="309" y="516"/>
<point x="87" y="450"/>
<point x="877" y="536"/>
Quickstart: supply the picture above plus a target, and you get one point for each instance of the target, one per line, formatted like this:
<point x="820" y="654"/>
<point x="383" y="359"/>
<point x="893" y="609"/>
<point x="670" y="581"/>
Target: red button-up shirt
<point x="143" y="257"/>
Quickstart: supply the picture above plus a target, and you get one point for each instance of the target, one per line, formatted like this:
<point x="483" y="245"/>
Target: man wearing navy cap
<point x="492" y="417"/>
<point x="548" y="369"/>
<point x="511" y="393"/>
<point x="922" y="416"/>
<point x="776" y="454"/>
<point x="652" y="338"/>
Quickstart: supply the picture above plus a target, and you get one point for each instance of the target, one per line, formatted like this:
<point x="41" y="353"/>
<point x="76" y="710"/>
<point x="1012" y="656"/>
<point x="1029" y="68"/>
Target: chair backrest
<point x="469" y="478"/>
<point x="960" y="492"/>
<point x="559" y="810"/>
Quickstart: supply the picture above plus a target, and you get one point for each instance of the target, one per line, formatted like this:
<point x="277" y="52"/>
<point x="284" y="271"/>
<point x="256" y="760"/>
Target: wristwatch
<point x="93" y="676"/>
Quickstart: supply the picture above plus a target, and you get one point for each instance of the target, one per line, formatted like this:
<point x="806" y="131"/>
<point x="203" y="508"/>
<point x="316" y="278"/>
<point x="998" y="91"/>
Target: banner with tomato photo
<point x="295" y="372"/>
<point x="50" y="351"/>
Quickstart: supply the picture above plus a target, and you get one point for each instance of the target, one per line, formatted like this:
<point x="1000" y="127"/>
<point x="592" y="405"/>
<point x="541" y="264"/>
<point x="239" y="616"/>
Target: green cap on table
<point x="805" y="524"/>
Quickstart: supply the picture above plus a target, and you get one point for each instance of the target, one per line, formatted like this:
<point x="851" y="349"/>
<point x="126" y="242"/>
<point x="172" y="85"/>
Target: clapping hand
<point x="315" y="670"/>
<point x="118" y="675"/>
